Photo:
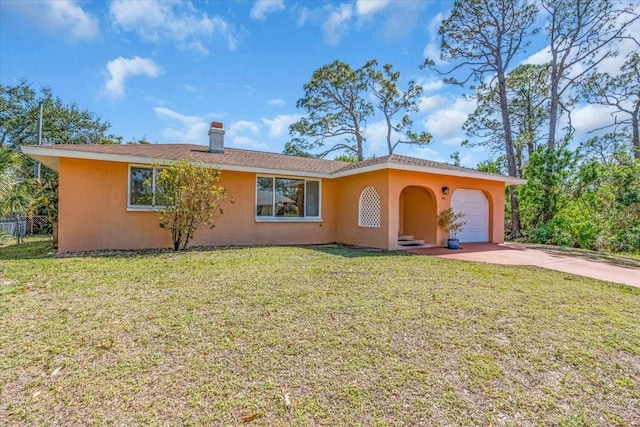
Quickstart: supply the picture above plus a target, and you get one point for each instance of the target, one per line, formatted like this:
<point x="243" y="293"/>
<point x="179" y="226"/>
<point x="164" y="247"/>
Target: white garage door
<point x="475" y="206"/>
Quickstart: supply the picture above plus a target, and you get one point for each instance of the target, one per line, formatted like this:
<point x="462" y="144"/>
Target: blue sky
<point x="164" y="70"/>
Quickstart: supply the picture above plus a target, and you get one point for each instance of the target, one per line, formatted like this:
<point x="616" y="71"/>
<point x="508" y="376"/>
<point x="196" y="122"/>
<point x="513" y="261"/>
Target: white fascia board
<point x="40" y="152"/>
<point x="508" y="180"/>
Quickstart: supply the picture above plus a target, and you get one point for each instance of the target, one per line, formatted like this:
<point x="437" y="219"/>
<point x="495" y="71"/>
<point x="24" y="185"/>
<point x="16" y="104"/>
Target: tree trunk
<point x="635" y="142"/>
<point x="511" y="161"/>
<point x="359" y="143"/>
<point x="389" y="136"/>
<point x="54" y="232"/>
<point x="515" y="213"/>
<point x="553" y="110"/>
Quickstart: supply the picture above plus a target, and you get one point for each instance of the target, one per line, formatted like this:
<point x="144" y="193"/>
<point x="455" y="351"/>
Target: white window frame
<point x="151" y="207"/>
<point x="274" y="218"/>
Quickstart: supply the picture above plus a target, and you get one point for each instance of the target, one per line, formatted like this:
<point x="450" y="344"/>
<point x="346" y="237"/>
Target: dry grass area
<point x="310" y="336"/>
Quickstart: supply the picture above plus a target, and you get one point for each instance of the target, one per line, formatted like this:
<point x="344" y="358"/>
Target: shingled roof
<point x="393" y="161"/>
<point x="148" y="153"/>
<point x="246" y="160"/>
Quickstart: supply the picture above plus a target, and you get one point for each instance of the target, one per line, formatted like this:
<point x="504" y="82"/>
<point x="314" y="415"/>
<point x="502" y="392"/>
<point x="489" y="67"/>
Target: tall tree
<point x="62" y="123"/>
<point x="391" y="101"/>
<point x="623" y="93"/>
<point x="337" y="108"/>
<point x="483" y="37"/>
<point x="528" y="96"/>
<point x="582" y="34"/>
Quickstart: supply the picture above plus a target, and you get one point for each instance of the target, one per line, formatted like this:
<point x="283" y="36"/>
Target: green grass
<point x="310" y="336"/>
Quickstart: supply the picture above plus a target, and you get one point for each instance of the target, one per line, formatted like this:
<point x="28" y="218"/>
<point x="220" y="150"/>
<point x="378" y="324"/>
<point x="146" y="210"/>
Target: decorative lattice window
<point x="369" y="208"/>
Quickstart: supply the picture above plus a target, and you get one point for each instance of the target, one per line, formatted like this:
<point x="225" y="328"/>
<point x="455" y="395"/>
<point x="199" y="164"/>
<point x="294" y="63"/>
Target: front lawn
<point x="310" y="336"/>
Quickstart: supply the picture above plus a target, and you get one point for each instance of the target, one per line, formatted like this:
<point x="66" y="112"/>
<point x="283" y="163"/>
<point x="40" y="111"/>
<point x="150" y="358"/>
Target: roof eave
<point x="508" y="180"/>
<point x="50" y="158"/>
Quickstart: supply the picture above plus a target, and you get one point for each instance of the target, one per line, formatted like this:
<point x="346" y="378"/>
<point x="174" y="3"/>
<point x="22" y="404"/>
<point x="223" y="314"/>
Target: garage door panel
<point x="475" y="206"/>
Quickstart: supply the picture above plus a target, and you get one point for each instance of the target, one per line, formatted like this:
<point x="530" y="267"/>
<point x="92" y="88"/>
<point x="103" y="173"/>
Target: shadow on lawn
<point x="31" y="249"/>
<point x="44" y="249"/>
<point x="354" y="251"/>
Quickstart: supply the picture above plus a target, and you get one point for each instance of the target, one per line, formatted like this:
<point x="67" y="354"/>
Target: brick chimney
<point x="216" y="138"/>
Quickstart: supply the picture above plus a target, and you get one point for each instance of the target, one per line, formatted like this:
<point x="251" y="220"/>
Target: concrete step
<point x="403" y="237"/>
<point x="411" y="242"/>
<point x="402" y="247"/>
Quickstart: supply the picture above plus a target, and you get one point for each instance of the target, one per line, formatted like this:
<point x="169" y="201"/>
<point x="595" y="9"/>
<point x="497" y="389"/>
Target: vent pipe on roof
<point x="216" y="138"/>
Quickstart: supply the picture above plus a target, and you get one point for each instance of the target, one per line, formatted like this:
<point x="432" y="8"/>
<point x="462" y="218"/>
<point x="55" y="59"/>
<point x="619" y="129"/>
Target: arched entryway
<point x="418" y="217"/>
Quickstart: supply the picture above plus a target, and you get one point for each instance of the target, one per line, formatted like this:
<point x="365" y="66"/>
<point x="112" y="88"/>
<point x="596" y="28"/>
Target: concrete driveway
<point x="581" y="263"/>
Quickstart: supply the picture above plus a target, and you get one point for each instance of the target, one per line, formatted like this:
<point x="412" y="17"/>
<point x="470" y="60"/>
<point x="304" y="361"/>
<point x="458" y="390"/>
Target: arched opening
<point x="418" y="216"/>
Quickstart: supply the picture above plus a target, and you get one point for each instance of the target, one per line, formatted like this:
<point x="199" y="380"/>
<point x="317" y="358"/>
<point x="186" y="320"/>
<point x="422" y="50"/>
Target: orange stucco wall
<point x="93" y="213"/>
<point x="418" y="213"/>
<point x="399" y="180"/>
<point x="93" y="210"/>
<point x="347" y="197"/>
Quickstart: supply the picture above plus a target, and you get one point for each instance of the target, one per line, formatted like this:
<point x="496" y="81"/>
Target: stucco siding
<point x="494" y="191"/>
<point x="93" y="210"/>
<point x="347" y="197"/>
<point x="93" y="213"/>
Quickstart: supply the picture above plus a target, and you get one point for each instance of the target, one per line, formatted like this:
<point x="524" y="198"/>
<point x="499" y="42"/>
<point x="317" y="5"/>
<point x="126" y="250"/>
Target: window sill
<point x="140" y="209"/>
<point x="287" y="219"/>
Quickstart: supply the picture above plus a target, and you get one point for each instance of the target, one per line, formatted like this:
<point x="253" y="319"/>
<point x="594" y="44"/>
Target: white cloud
<point x="261" y="8"/>
<point x="613" y="64"/>
<point x="370" y="7"/>
<point x="430" y="85"/>
<point x="122" y="68"/>
<point x="304" y="14"/>
<point x="63" y="17"/>
<point x="336" y="20"/>
<point x="337" y="24"/>
<point x="242" y="126"/>
<point x="278" y="102"/>
<point x="609" y="65"/>
<point x="244" y="134"/>
<point x="470" y="157"/>
<point x="279" y="125"/>
<point x="377" y="137"/>
<point x="585" y="118"/>
<point x="446" y="124"/>
<point x="540" y="57"/>
<point x="428" y="103"/>
<point x="183" y="129"/>
<point x="171" y="20"/>
<point x="432" y="52"/>
<point x="428" y="153"/>
<point x="402" y="19"/>
<point x="432" y="49"/>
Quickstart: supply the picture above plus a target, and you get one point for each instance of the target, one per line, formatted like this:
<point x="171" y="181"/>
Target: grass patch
<point x="32" y="247"/>
<point x="310" y="336"/>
